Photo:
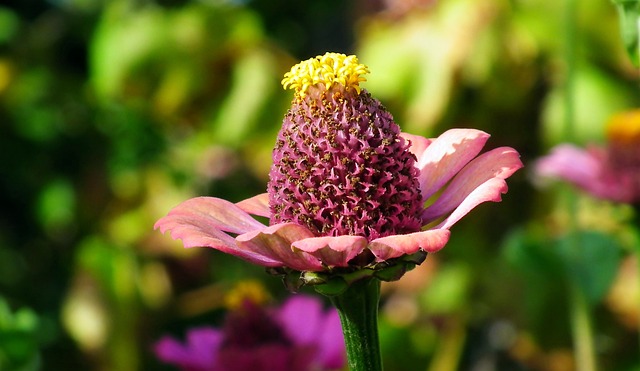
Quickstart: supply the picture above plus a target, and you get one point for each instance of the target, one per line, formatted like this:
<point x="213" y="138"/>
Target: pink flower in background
<point x="298" y="336"/>
<point x="609" y="172"/>
<point x="347" y="188"/>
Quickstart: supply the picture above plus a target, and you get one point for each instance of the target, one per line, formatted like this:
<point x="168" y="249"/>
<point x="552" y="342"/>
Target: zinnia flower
<point x="298" y="336"/>
<point x="348" y="190"/>
<point x="610" y="172"/>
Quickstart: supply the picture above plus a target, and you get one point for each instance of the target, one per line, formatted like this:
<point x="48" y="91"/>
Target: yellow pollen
<point x="329" y="69"/>
<point x="249" y="290"/>
<point x="624" y="127"/>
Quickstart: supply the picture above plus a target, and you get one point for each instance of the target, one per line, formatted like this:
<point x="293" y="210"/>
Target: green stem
<point x="570" y="61"/>
<point x="582" y="331"/>
<point x="358" y="309"/>
<point x="450" y="346"/>
<point x="638" y="268"/>
<point x="580" y="310"/>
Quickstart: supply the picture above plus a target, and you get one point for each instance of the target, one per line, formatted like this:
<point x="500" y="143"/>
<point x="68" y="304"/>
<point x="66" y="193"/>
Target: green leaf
<point x="592" y="260"/>
<point x="629" y="14"/>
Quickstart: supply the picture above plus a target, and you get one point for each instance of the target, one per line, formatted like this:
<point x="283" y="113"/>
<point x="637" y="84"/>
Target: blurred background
<point x="112" y="112"/>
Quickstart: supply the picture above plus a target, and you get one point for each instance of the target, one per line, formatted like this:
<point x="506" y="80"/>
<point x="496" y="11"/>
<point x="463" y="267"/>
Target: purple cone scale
<point x="347" y="188"/>
<point x="340" y="167"/>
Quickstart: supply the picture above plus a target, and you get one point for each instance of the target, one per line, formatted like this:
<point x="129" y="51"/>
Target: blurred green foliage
<point x="113" y="112"/>
<point x="629" y="12"/>
<point x="18" y="339"/>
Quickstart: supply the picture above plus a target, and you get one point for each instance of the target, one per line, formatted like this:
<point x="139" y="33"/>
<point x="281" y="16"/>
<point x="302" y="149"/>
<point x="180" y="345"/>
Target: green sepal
<point x="292" y="282"/>
<point x="415" y="258"/>
<point x="314" y="278"/>
<point x="399" y="267"/>
<point x="392" y="273"/>
<point x="333" y="286"/>
<point x="329" y="284"/>
<point x="290" y="278"/>
<point x="334" y="281"/>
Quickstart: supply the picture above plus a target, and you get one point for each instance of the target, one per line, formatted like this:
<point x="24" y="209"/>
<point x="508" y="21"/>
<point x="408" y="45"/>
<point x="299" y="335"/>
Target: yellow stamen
<point x="624" y="127"/>
<point x="329" y="69"/>
<point x="244" y="291"/>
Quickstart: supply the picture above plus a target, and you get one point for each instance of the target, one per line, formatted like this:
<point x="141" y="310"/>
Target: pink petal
<point x="488" y="191"/>
<point x="418" y="144"/>
<point x="498" y="163"/>
<point x="307" y="324"/>
<point x="589" y="170"/>
<point x="220" y="214"/>
<point x="169" y="350"/>
<point x="197" y="228"/>
<point x="199" y="353"/>
<point x="446" y="155"/>
<point x="331" y="342"/>
<point x="276" y="242"/>
<point x="570" y="163"/>
<point x="205" y="344"/>
<point x="301" y="317"/>
<point x="394" y="246"/>
<point x="256" y="205"/>
<point x="333" y="251"/>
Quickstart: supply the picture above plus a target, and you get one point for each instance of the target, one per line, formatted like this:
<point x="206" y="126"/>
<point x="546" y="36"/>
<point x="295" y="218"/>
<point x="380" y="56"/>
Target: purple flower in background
<point x="610" y="172"/>
<point x="347" y="188"/>
<point x="298" y="336"/>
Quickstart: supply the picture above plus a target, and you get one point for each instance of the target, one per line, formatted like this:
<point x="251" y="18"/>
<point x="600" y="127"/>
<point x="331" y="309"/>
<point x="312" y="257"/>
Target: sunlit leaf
<point x="597" y="97"/>
<point x="252" y="84"/>
<point x="629" y="14"/>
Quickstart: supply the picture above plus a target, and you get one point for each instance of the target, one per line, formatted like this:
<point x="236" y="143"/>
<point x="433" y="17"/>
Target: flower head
<point x="348" y="190"/>
<point x="609" y="172"/>
<point x="340" y="166"/>
<point x="298" y="336"/>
